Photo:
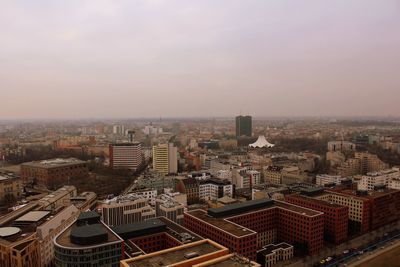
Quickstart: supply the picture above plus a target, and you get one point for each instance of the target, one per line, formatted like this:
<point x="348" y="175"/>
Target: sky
<point x="204" y="58"/>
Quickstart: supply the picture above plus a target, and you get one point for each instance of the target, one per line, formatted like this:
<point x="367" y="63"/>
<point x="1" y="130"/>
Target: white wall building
<point x="167" y="207"/>
<point x="126" y="209"/>
<point x="50" y="229"/>
<point x="126" y="155"/>
<point x="213" y="189"/>
<point x="323" y="179"/>
<point x="149" y="194"/>
<point x="389" y="177"/>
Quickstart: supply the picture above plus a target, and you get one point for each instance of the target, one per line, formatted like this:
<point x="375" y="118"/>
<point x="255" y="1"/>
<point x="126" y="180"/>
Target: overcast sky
<point x="150" y="58"/>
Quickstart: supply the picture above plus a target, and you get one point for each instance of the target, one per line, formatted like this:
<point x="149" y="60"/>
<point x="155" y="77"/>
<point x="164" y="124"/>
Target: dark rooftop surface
<point x="297" y="209"/>
<point x="319" y="201"/>
<point x="88" y="215"/>
<point x="137" y="229"/>
<point x="370" y="193"/>
<point x="176" y="231"/>
<point x="170" y="257"/>
<point x="221" y="223"/>
<point x="312" y="191"/>
<point x="126" y="144"/>
<point x="240" y="207"/>
<point x="88" y="234"/>
<point x="64" y="238"/>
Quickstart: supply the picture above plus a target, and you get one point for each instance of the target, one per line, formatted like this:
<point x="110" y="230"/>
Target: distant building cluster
<point x="195" y="193"/>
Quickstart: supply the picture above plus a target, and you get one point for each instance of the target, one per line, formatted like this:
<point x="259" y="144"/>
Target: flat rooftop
<point x="8" y="175"/>
<point x="26" y="221"/>
<point x="175" y="255"/>
<point x="154" y="226"/>
<point x="175" y="229"/>
<point x="33" y="216"/>
<point x="239" y="231"/>
<point x="64" y="239"/>
<point x="297" y="209"/>
<point x="230" y="260"/>
<point x="54" y="163"/>
<point x="240" y="207"/>
<point x="127" y="144"/>
<point x="221" y="223"/>
<point x="319" y="201"/>
<point x="371" y="193"/>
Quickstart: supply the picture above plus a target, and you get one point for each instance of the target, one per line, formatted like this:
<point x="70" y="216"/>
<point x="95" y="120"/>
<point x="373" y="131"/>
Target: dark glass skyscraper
<point x="244" y="126"/>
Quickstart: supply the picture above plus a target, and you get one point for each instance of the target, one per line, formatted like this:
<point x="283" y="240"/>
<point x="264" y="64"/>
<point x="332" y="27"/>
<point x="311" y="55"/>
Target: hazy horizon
<point x="183" y="59"/>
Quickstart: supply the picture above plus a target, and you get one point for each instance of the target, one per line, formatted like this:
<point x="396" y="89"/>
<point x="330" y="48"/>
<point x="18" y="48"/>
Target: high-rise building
<point x="244" y="126"/>
<point x="126" y="155"/>
<point x="118" y="129"/>
<point x="165" y="158"/>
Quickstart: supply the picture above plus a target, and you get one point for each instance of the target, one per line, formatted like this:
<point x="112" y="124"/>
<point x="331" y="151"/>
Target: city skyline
<point x="137" y="59"/>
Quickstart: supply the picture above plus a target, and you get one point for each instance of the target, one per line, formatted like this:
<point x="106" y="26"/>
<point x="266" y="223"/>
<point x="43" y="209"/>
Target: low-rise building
<point x="212" y="189"/>
<point x="126" y="209"/>
<point x="389" y="178"/>
<point x="272" y="254"/>
<point x="10" y="187"/>
<point x="273" y="174"/>
<point x="190" y="187"/>
<point x="167" y="207"/>
<point x="59" y="198"/>
<point x="324" y="179"/>
<point x="26" y="238"/>
<point x="53" y="173"/>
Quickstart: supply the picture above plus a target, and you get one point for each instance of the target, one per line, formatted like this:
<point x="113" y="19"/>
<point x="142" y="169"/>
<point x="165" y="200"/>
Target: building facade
<point x="88" y="242"/>
<point x="335" y="216"/>
<point x="165" y="158"/>
<point x="54" y="173"/>
<point x="246" y="227"/>
<point x="126" y="209"/>
<point x="244" y="126"/>
<point x="126" y="155"/>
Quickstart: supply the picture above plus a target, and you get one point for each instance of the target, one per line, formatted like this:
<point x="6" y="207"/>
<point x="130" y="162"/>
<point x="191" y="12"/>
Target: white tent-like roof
<point x="261" y="142"/>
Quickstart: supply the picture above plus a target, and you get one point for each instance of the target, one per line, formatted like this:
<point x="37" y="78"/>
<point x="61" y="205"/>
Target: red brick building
<point x="379" y="207"/>
<point x="246" y="227"/>
<point x="154" y="235"/>
<point x="336" y="217"/>
<point x="53" y="173"/>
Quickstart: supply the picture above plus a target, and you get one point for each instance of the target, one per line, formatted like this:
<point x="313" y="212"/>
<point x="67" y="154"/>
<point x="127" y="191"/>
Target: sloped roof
<point x="261" y="142"/>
